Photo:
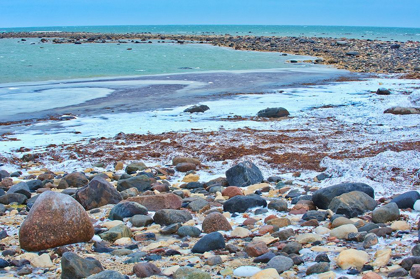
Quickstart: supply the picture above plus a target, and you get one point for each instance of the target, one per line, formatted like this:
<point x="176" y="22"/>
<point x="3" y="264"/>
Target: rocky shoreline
<point x="132" y="222"/>
<point x="366" y="56"/>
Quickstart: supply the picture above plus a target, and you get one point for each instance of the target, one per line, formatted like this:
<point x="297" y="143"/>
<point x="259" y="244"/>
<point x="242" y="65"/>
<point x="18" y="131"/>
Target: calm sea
<point x="379" y="33"/>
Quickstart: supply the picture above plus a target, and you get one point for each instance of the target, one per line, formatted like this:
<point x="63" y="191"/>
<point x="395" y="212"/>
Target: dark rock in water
<point x="318" y="268"/>
<point x="215" y="222"/>
<point x="54" y="220"/>
<point x="402" y="110"/>
<point x="400" y="272"/>
<point x="273" y="112"/>
<point x="141" y="220"/>
<point x="209" y="242"/>
<point x="264" y="258"/>
<point x="16" y="174"/>
<point x="13" y="197"/>
<point x="324" y="196"/>
<point x="75" y="267"/>
<point x="190" y="273"/>
<point x="75" y="179"/>
<point x="386" y="213"/>
<point x="134" y="167"/>
<point x="395" y="46"/>
<point x="126" y="209"/>
<point x="352" y="204"/>
<point x="107" y="274"/>
<point x="406" y="200"/>
<point x="280" y="263"/>
<point x="97" y="193"/>
<point x="243" y="203"/>
<point x="171" y="216"/>
<point x="141" y="182"/>
<point x="407" y="263"/>
<point x="34" y="184"/>
<point x="322" y="176"/>
<point x="200" y="108"/>
<point x="143" y="270"/>
<point x="278" y="204"/>
<point x="189" y="231"/>
<point x="314" y="214"/>
<point x="244" y="174"/>
<point x="383" y="91"/>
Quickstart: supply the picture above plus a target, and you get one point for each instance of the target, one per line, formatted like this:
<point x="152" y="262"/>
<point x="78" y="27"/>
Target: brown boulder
<point x="158" y="202"/>
<point x="185" y="167"/>
<point x="99" y="192"/>
<point x="54" y="220"/>
<point x="232" y="191"/>
<point x="215" y="222"/>
<point x="75" y="179"/>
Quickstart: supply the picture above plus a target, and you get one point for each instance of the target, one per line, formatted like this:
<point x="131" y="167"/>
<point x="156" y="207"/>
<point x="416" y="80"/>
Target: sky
<point x="37" y="13"/>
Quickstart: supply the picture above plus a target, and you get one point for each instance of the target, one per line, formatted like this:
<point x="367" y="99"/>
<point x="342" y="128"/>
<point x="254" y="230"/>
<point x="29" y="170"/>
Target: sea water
<point x="32" y="60"/>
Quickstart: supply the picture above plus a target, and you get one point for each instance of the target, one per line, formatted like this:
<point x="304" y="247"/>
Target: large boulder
<point x="386" y="213"/>
<point x="273" y="112"/>
<point x="158" y="202"/>
<point x="75" y="267"/>
<point x="406" y="200"/>
<point x="171" y="216"/>
<point x="141" y="182"/>
<point x="352" y="204"/>
<point x="324" y="196"/>
<point x="99" y="192"/>
<point x="54" y="220"/>
<point x="244" y="174"/>
<point x="134" y="167"/>
<point x="73" y="180"/>
<point x="127" y="209"/>
<point x="243" y="203"/>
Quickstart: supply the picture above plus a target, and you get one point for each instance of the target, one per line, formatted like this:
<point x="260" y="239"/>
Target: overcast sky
<point x="28" y="13"/>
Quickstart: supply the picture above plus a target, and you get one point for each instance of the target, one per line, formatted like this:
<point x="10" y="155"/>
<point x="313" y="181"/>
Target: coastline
<point x="357" y="55"/>
<point x="337" y="132"/>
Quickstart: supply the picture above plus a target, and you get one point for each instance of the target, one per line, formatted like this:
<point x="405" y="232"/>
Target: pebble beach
<point x="316" y="180"/>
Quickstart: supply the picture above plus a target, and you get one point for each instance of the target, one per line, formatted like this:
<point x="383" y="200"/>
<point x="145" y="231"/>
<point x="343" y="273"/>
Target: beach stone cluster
<point x="250" y="226"/>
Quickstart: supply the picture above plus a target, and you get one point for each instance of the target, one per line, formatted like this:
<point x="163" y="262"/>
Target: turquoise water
<point x="379" y="33"/>
<point x="34" y="61"/>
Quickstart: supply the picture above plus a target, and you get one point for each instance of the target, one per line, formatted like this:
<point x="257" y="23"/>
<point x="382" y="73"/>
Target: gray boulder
<point x="352" y="204"/>
<point x="324" y="196"/>
<point x="244" y="174"/>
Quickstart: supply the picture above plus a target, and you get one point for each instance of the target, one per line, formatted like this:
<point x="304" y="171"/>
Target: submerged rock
<point x="200" y="108"/>
<point x="273" y="112"/>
